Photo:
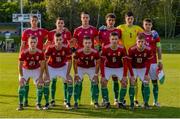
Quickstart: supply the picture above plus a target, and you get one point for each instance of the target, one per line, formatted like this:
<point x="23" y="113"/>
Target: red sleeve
<point x="120" y="33"/>
<point x="125" y="67"/>
<point x="95" y="32"/>
<point x="50" y="36"/>
<point x="75" y="35"/>
<point x="25" y="36"/>
<point x="69" y="54"/>
<point x="45" y="33"/>
<point x="148" y="61"/>
<point x="129" y="62"/>
<point x="22" y="56"/>
<point x="102" y="64"/>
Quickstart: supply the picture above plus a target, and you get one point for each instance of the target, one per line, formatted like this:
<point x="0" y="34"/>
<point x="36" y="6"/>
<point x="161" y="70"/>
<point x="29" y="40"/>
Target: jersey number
<point x="139" y="60"/>
<point x="32" y="63"/>
<point x="114" y="59"/>
<point x="58" y="59"/>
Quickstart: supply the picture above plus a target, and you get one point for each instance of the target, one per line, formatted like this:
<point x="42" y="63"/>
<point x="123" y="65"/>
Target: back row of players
<point x="127" y="50"/>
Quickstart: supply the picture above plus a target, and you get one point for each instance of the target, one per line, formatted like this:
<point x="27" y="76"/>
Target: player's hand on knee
<point x="103" y="81"/>
<point x="132" y="80"/>
<point x="95" y="79"/>
<point x="146" y="79"/>
<point x="22" y="81"/>
<point x="77" y="78"/>
<point x="124" y="81"/>
<point x="68" y="79"/>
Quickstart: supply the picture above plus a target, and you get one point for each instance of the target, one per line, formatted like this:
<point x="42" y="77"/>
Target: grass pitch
<point x="169" y="96"/>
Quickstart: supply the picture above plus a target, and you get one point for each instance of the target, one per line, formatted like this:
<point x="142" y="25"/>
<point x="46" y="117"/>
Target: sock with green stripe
<point x="46" y="93"/>
<point x="131" y="95"/>
<point x="21" y="92"/>
<point x="122" y="94"/>
<point x="105" y="94"/>
<point x="53" y="88"/>
<point x="39" y="94"/>
<point x="69" y="92"/>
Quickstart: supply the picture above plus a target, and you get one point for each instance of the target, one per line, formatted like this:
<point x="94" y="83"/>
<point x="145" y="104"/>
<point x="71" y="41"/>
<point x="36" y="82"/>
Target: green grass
<point x="169" y="95"/>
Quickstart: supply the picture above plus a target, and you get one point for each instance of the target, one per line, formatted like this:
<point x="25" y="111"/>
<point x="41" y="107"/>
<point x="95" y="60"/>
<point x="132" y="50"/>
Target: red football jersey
<point x="31" y="61"/>
<point x="58" y="58"/>
<point x="151" y="41"/>
<point x="86" y="60"/>
<point x="80" y="32"/>
<point x="40" y="33"/>
<point x="66" y="35"/>
<point x="105" y="34"/>
<point x="139" y="58"/>
<point x="113" y="58"/>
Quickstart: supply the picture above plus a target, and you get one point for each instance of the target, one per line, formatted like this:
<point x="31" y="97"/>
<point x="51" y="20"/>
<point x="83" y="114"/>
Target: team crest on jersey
<point x="92" y="57"/>
<point x="85" y="32"/>
<point x="40" y="33"/>
<point x="35" y="34"/>
<point x="104" y="33"/>
<point x="145" y="54"/>
<point x="65" y="36"/>
<point x="91" y="31"/>
<point x="37" y="57"/>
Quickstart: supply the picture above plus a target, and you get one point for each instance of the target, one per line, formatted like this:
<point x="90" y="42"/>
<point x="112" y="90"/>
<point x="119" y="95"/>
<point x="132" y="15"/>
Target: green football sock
<point x="131" y="95"/>
<point x="116" y="89"/>
<point x="142" y="91"/>
<point x="155" y="92"/>
<point x="136" y="90"/>
<point x="69" y="92"/>
<point x="105" y="94"/>
<point x="21" y="92"/>
<point x="122" y="94"/>
<point x="26" y="91"/>
<point x="65" y="91"/>
<point x="146" y="93"/>
<point x="95" y="92"/>
<point x="39" y="94"/>
<point x="80" y="90"/>
<point x="46" y="93"/>
<point x="76" y="92"/>
<point x="53" y="88"/>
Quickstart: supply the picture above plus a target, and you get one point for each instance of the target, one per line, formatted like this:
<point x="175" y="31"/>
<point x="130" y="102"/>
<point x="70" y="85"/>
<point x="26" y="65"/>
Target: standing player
<point x="31" y="64"/>
<point x="66" y="35"/>
<point x="104" y="35"/>
<point x="84" y="30"/>
<point x="113" y="57"/>
<point x="129" y="34"/>
<point x="139" y="57"/>
<point x="153" y="41"/>
<point x="42" y="35"/>
<point x="59" y="64"/>
<point x="86" y="61"/>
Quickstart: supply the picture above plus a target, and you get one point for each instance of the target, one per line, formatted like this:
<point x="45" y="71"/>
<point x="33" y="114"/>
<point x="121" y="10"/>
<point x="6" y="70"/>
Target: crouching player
<point x="31" y="65"/>
<point x="86" y="61"/>
<point x="139" y="57"/>
<point x="113" y="63"/>
<point x="59" y="62"/>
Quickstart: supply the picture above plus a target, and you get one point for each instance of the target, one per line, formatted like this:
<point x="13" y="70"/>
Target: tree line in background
<point x="164" y="13"/>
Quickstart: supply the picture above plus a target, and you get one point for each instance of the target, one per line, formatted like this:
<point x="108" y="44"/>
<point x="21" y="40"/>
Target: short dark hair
<point x="57" y="34"/>
<point x="86" y="37"/>
<point x="34" y="16"/>
<point x="147" y="20"/>
<point x="114" y="34"/>
<point x="129" y="14"/>
<point x="33" y="37"/>
<point x="141" y="36"/>
<point x="59" y="18"/>
<point x="84" y="12"/>
<point x="110" y="15"/>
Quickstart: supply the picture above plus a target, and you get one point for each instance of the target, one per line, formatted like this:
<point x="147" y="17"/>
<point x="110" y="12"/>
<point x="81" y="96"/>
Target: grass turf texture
<point x="169" y="95"/>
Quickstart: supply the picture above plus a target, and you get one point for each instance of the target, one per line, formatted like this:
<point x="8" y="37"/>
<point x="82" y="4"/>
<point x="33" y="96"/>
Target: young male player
<point x="59" y="63"/>
<point x="42" y="35"/>
<point x="86" y="61"/>
<point x="139" y="57"/>
<point x="113" y="63"/>
<point x="153" y="41"/>
<point x="104" y="38"/>
<point x="129" y="34"/>
<point x="66" y="35"/>
<point x="31" y="64"/>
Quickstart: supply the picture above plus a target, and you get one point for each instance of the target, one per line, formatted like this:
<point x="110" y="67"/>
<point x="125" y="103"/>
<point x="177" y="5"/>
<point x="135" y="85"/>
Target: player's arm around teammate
<point x="59" y="64"/>
<point x="31" y="64"/>
<point x="86" y="61"/>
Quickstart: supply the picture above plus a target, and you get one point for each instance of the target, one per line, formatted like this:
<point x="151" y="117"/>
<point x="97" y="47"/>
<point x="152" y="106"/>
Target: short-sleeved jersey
<point x="80" y="32"/>
<point x="40" y="33"/>
<point x="129" y="34"/>
<point x="113" y="58"/>
<point x="31" y="61"/>
<point x="104" y="35"/>
<point x="66" y="35"/>
<point x="86" y="60"/>
<point x="57" y="58"/>
<point x="151" y="41"/>
<point x="139" y="58"/>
